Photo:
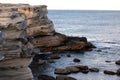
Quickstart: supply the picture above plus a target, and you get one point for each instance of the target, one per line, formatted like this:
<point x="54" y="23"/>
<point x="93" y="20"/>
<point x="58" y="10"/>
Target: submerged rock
<point x="83" y="69"/>
<point x="45" y="77"/>
<point x="76" y="60"/>
<point x="64" y="78"/>
<point x="72" y="69"/>
<point x="51" y="61"/>
<point x="61" y="71"/>
<point x="68" y="55"/>
<point x="118" y="72"/>
<point x="41" y="62"/>
<point x="117" y="62"/>
<point x="94" y="69"/>
<point x="54" y="57"/>
<point x="109" y="72"/>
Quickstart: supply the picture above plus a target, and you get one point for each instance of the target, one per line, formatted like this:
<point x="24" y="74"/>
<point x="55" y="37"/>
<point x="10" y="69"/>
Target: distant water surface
<point x="102" y="28"/>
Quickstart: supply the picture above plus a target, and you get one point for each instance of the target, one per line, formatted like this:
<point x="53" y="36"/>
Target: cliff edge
<point x="27" y="30"/>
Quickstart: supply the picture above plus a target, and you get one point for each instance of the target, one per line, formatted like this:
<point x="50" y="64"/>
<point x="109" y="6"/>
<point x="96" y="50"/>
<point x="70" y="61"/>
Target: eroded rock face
<point x="24" y="29"/>
<point x="15" y="48"/>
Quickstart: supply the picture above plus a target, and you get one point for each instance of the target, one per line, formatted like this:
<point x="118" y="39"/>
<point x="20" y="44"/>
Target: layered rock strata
<point x="15" y="47"/>
<point x="24" y="29"/>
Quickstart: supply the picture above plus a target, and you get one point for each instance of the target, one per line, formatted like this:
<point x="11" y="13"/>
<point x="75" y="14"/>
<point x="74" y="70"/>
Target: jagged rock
<point x="64" y="78"/>
<point x="72" y="69"/>
<point x="109" y="72"/>
<point x="61" y="71"/>
<point x="45" y="77"/>
<point x="76" y="60"/>
<point x="117" y="62"/>
<point x="94" y="69"/>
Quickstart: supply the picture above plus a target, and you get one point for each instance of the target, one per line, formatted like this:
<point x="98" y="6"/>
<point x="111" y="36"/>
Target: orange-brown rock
<point x="49" y="41"/>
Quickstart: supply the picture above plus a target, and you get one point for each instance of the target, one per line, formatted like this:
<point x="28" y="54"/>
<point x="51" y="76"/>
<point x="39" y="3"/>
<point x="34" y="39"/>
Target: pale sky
<point x="72" y="4"/>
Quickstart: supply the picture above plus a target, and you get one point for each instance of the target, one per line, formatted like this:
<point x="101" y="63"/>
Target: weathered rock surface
<point x="71" y="44"/>
<point x="24" y="29"/>
<point x="14" y="40"/>
<point x="15" y="69"/>
<point x="49" y="41"/>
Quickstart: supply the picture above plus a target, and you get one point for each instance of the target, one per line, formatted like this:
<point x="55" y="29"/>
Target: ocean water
<point x="102" y="28"/>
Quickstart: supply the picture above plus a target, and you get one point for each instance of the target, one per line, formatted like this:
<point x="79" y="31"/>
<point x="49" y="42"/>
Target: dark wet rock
<point x="94" y="69"/>
<point x="62" y="54"/>
<point x="61" y="71"/>
<point x="107" y="61"/>
<point x="72" y="69"/>
<point x="40" y="62"/>
<point x="45" y="77"/>
<point x="83" y="69"/>
<point x="64" y="78"/>
<point x="99" y="50"/>
<point x="109" y="72"/>
<point x="76" y="60"/>
<point x="51" y="61"/>
<point x="117" y="62"/>
<point x="54" y="57"/>
<point x="68" y="55"/>
<point x="118" y="72"/>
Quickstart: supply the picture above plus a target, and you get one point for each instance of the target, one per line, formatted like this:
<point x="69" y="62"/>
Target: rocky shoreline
<point x="26" y="30"/>
<point x="64" y="72"/>
<point x="61" y="43"/>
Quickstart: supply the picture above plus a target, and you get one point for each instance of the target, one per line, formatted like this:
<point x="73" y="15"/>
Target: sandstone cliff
<point x="25" y="29"/>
